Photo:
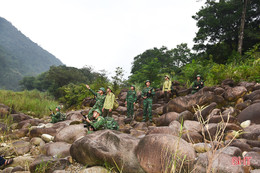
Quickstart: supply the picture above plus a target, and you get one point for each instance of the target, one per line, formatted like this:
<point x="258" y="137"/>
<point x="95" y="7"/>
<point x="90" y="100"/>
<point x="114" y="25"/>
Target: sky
<point x="103" y="34"/>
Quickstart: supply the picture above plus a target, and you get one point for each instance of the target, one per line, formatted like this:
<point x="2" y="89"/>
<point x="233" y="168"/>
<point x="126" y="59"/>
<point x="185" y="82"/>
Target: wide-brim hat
<point x="110" y="88"/>
<point x="102" y="89"/>
<point x="147" y="81"/>
<point x="167" y="76"/>
<point x="58" y="107"/>
<point x="198" y="75"/>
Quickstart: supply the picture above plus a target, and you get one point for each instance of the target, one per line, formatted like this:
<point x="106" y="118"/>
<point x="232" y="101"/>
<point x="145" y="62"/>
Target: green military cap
<point x="198" y="75"/>
<point x="167" y="76"/>
<point x="58" y="107"/>
<point x="98" y="111"/>
<point x="147" y="81"/>
<point x="102" y="89"/>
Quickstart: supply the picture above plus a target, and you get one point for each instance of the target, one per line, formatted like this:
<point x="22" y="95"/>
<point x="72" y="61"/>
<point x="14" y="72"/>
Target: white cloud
<point x="104" y="34"/>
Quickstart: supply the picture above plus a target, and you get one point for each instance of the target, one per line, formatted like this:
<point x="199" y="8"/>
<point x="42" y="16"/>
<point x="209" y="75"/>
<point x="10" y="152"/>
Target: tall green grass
<point x="33" y="103"/>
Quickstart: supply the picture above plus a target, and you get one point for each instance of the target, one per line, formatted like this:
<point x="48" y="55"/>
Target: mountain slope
<point x="20" y="57"/>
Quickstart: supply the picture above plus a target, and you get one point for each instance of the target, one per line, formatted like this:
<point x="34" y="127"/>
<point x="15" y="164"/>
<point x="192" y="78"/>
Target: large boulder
<point x="21" y="147"/>
<point x="232" y="94"/>
<point x="166" y="119"/>
<point x="254" y="159"/>
<point x="252" y="113"/>
<point x="107" y="146"/>
<point x="20" y="117"/>
<point x="248" y="85"/>
<point x="48" y="164"/>
<point x="28" y="123"/>
<point x="75" y="115"/>
<point x="57" y="149"/>
<point x="200" y="98"/>
<point x="204" y="113"/>
<point x="255" y="95"/>
<point x="158" y="153"/>
<point x="220" y="162"/>
<point x="70" y="133"/>
<point x="4" y="110"/>
<point x="252" y="132"/>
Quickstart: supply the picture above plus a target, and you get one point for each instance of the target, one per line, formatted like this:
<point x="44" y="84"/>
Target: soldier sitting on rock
<point x="100" y="98"/>
<point x="58" y="116"/>
<point x="197" y="85"/>
<point x="97" y="123"/>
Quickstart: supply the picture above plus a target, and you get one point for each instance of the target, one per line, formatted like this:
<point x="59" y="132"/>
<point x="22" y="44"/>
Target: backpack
<point x="111" y="124"/>
<point x="115" y="105"/>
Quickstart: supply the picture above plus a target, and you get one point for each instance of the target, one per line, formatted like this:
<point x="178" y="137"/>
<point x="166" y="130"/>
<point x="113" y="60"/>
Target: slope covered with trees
<point x="20" y="57"/>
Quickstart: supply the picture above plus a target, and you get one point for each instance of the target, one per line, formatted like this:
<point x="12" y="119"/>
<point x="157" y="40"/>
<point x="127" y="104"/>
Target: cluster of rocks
<point x="217" y="128"/>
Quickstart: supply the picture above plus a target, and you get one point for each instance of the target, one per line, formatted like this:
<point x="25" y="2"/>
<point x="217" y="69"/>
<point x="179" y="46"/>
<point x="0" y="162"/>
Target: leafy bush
<point x="34" y="103"/>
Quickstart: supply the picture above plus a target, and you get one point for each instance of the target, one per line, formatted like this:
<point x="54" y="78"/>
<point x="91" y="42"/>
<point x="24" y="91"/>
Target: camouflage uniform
<point x="130" y="99"/>
<point x="196" y="84"/>
<point x="56" y="117"/>
<point x="98" y="124"/>
<point x="99" y="103"/>
<point x="147" y="103"/>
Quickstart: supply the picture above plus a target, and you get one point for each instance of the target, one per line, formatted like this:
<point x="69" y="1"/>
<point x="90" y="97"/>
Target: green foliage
<point x="247" y="69"/>
<point x="20" y="57"/>
<point x="219" y="25"/>
<point x="118" y="79"/>
<point x="34" y="103"/>
<point x="153" y="64"/>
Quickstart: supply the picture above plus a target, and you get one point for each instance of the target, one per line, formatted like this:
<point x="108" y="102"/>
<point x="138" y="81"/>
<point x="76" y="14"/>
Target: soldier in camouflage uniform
<point x="56" y="117"/>
<point x="100" y="98"/>
<point x="197" y="85"/>
<point x="98" y="123"/>
<point x="147" y="95"/>
<point x="130" y="101"/>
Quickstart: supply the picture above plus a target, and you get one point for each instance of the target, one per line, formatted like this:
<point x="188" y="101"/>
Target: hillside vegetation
<point x="20" y="57"/>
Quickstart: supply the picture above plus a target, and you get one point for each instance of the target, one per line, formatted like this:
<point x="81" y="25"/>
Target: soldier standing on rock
<point x="109" y="103"/>
<point x="147" y="95"/>
<point x="197" y="85"/>
<point x="100" y="98"/>
<point x="167" y="88"/>
<point x="130" y="101"/>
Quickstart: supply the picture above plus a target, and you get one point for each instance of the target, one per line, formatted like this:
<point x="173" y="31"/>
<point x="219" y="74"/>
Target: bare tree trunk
<point x="241" y="32"/>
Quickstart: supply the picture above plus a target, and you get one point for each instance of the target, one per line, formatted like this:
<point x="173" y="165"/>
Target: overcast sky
<point x="104" y="34"/>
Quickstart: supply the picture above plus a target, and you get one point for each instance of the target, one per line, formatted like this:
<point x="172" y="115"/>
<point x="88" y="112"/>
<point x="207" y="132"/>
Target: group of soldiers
<point x="100" y="116"/>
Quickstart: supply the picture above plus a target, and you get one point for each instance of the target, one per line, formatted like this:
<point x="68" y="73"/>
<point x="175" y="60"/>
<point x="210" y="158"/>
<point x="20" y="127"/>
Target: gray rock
<point x="57" y="149"/>
<point x="110" y="147"/>
<point x="156" y="152"/>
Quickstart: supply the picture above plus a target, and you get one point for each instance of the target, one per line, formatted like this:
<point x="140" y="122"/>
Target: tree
<point x="219" y="24"/>
<point x="118" y="78"/>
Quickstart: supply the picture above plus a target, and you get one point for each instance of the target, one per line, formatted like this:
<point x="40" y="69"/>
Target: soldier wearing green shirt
<point x="147" y="95"/>
<point x="130" y="101"/>
<point x="100" y="98"/>
<point x="167" y="88"/>
<point x="109" y="103"/>
<point x="98" y="123"/>
<point x="197" y="85"/>
<point x="56" y="117"/>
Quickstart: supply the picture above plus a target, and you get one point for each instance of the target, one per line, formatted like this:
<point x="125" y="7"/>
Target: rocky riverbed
<point x="216" y="129"/>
